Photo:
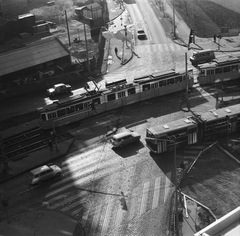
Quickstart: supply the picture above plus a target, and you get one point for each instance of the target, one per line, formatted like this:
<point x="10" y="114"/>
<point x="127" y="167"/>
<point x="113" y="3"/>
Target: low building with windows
<point x="31" y="66"/>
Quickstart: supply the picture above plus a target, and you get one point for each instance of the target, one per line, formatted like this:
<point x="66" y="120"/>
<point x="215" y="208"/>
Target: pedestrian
<point x="50" y="144"/>
<point x="214" y="38"/>
<point x="116" y="51"/>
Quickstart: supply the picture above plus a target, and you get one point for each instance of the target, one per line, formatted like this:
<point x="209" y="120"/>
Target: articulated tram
<point x="191" y="130"/>
<point x="220" y="69"/>
<point x="114" y="95"/>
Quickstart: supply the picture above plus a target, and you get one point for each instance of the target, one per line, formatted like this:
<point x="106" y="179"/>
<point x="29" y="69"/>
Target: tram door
<point x="211" y="75"/>
<point x="161" y="146"/>
<point x="232" y="124"/>
<point x="192" y="136"/>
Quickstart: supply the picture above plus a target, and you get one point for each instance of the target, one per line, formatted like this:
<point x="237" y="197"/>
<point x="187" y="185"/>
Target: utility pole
<point x="174" y="28"/>
<point x="88" y="65"/>
<point x="187" y="85"/>
<point x="69" y="40"/>
<point x="176" y="191"/>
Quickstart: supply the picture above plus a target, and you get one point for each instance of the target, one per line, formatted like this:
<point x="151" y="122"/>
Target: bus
<point x="220" y="69"/>
<point x="163" y="138"/>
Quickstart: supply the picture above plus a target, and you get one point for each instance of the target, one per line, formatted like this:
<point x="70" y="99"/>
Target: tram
<point x="194" y="129"/>
<point x="115" y="94"/>
<point x="220" y="69"/>
<point x="163" y="138"/>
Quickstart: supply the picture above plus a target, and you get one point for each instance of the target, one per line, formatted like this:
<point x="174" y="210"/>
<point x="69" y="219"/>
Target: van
<point x="125" y="138"/>
<point x="43" y="173"/>
<point x="202" y="57"/>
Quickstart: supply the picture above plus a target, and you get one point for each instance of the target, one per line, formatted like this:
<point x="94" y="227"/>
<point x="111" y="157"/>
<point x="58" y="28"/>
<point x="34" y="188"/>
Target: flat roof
<point x="173" y="125"/>
<point x="221" y="113"/>
<point x="31" y="55"/>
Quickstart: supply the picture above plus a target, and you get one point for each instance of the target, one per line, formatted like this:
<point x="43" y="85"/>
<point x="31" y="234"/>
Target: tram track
<point x="18" y="146"/>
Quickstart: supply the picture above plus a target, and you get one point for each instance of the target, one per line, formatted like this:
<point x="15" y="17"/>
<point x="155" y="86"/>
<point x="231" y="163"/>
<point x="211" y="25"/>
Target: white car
<point x="124" y="138"/>
<point x="43" y="173"/>
<point x="59" y="88"/>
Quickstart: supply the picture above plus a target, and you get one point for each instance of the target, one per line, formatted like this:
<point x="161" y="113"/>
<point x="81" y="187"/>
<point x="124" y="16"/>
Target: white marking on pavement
<point x="119" y="217"/>
<point x="107" y="217"/>
<point x="95" y="221"/>
<point x="144" y="197"/>
<point x="85" y="217"/>
<point x="156" y="192"/>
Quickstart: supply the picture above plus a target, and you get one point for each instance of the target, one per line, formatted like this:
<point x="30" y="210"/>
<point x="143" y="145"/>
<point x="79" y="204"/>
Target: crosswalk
<point x="100" y="212"/>
<point x="163" y="47"/>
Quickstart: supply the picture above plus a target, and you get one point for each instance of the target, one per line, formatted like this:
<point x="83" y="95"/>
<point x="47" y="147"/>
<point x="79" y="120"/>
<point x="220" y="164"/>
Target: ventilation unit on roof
<point x="187" y="121"/>
<point x="228" y="110"/>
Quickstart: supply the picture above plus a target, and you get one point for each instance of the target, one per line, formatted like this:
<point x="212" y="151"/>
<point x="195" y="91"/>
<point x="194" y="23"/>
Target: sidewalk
<point x="41" y="222"/>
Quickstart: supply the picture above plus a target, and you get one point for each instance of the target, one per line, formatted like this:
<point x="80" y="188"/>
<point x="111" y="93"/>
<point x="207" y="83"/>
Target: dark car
<point x="59" y="89"/>
<point x="141" y="34"/>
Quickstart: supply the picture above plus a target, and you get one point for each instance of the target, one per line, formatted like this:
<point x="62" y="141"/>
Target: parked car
<point x="141" y="34"/>
<point x="124" y="138"/>
<point x="43" y="173"/>
<point x="59" y="88"/>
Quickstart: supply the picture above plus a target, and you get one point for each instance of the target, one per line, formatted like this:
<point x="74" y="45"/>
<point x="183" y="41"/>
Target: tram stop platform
<point x="42" y="222"/>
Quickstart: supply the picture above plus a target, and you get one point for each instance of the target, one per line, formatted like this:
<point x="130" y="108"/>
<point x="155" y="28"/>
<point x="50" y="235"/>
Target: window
<point x="79" y="107"/>
<point x="202" y="72"/>
<point x="146" y="87"/>
<point x="96" y="101"/>
<point x="131" y="91"/>
<point x="178" y="79"/>
<point x="155" y="85"/>
<point x="210" y="72"/>
<point x="61" y="112"/>
<point x="162" y="83"/>
<point x="226" y="69"/>
<point x="43" y="117"/>
<point x="70" y="109"/>
<point x="121" y="94"/>
<point x="170" y="81"/>
<point x="218" y="70"/>
<point x="86" y="105"/>
<point x="234" y="67"/>
<point x="111" y="97"/>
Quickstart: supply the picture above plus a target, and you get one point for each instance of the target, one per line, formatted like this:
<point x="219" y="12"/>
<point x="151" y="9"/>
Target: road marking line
<point x="107" y="217"/>
<point x="144" y="197"/>
<point x="156" y="192"/>
<point x="119" y="217"/>
<point x="85" y="217"/>
<point x="95" y="221"/>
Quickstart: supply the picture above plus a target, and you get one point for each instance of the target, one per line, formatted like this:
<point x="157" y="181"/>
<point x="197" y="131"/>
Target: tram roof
<point x="221" y="113"/>
<point x="171" y="126"/>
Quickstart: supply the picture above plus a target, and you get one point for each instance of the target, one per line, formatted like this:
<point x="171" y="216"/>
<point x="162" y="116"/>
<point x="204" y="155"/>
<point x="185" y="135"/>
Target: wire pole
<point x="69" y="40"/>
<point x="187" y="82"/>
<point x="174" y="28"/>
<point x="88" y="66"/>
<point x="176" y="190"/>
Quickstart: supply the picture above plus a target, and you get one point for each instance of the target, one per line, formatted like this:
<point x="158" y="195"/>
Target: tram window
<point x="86" y="104"/>
<point x="96" y="101"/>
<point x="54" y="115"/>
<point x="61" y="112"/>
<point x="43" y="116"/>
<point x="210" y="72"/>
<point x="162" y="83"/>
<point x="49" y="115"/>
<point x="178" y="79"/>
<point x="226" y="69"/>
<point x="70" y="109"/>
<point x="146" y="87"/>
<point x="111" y="97"/>
<point x="121" y="94"/>
<point x="131" y="91"/>
<point x="218" y="70"/>
<point x="234" y="67"/>
<point x="79" y="107"/>
<point x="202" y="72"/>
<point x="170" y="81"/>
<point x="155" y="85"/>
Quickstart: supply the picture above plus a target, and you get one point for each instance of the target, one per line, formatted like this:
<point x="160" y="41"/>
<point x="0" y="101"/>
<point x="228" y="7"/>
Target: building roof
<point x="32" y="55"/>
<point x="94" y="6"/>
<point x="228" y="225"/>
